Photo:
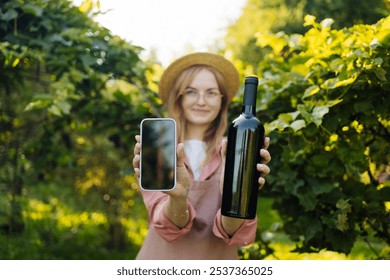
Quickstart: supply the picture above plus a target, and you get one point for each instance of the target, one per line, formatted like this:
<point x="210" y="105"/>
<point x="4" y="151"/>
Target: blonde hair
<point x="216" y="130"/>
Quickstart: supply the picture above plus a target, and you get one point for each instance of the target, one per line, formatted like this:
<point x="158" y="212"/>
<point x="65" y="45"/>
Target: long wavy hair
<point x="217" y="128"/>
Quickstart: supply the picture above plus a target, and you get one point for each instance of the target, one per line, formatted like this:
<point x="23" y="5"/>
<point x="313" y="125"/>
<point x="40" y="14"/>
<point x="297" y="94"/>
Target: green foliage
<point x="71" y="97"/>
<point x="58" y="230"/>
<point x="348" y="12"/>
<point x="273" y="16"/>
<point x="274" y="244"/>
<point x="326" y="103"/>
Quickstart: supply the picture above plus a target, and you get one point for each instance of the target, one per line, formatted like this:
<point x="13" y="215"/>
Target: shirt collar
<point x="211" y="166"/>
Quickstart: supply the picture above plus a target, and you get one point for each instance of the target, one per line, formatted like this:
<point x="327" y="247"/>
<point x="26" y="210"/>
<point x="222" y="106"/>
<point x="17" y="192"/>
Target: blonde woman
<point x="186" y="223"/>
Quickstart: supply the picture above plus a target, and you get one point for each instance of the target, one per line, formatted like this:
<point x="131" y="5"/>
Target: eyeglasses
<point x="211" y="96"/>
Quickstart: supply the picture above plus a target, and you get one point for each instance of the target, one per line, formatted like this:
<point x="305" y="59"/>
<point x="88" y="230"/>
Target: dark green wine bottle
<point x="245" y="138"/>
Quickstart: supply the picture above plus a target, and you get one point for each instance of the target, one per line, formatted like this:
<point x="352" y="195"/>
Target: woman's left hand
<point x="231" y="225"/>
<point x="262" y="166"/>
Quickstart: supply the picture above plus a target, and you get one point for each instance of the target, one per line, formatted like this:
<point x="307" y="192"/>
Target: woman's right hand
<point x="176" y="207"/>
<point x="182" y="179"/>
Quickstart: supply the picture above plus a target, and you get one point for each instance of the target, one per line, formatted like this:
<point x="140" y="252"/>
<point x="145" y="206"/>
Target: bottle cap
<point x="252" y="80"/>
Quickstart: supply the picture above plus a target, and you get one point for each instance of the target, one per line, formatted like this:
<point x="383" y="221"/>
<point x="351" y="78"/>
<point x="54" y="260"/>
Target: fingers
<point x="136" y="159"/>
<point x="261" y="182"/>
<point x="266" y="142"/>
<point x="137" y="172"/>
<point x="263" y="169"/>
<point x="137" y="147"/>
<point x="262" y="166"/>
<point x="265" y="155"/>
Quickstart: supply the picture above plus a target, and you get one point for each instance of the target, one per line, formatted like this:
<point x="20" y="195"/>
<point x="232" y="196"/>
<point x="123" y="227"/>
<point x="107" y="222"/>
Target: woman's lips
<point x="200" y="111"/>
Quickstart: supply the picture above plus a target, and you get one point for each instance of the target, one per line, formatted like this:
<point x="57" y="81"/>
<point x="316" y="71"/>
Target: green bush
<point x="71" y="97"/>
<point x="325" y="100"/>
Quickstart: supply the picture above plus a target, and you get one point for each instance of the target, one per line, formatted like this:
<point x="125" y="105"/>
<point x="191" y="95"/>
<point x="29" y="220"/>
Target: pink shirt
<point x="203" y="237"/>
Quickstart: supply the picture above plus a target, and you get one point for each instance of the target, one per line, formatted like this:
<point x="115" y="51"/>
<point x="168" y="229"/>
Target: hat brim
<point x="218" y="62"/>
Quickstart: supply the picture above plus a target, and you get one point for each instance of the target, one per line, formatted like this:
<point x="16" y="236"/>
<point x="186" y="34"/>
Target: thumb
<point x="223" y="157"/>
<point x="180" y="154"/>
<point x="223" y="149"/>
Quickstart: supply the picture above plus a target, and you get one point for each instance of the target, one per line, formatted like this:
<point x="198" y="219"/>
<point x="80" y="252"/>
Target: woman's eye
<point x="190" y="92"/>
<point x="212" y="93"/>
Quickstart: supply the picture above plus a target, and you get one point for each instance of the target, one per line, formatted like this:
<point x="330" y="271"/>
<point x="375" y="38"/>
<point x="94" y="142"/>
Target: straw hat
<point x="225" y="67"/>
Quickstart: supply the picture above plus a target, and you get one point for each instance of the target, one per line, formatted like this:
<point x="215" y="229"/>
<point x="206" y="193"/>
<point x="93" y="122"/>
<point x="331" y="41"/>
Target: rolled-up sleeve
<point x="244" y="236"/>
<point x="155" y="202"/>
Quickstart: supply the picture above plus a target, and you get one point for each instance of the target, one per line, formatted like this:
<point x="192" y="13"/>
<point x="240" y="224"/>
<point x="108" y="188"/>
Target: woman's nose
<point x="201" y="99"/>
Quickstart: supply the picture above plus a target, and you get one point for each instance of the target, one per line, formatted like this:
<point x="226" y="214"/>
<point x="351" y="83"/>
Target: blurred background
<point x="75" y="84"/>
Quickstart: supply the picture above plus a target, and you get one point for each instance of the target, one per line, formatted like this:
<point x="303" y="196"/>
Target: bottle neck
<point x="249" y="110"/>
<point x="250" y="94"/>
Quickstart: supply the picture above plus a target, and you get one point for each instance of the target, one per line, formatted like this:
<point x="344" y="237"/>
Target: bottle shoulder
<point x="244" y="120"/>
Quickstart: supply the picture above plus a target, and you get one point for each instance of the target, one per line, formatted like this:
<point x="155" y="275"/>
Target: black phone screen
<point x="158" y="154"/>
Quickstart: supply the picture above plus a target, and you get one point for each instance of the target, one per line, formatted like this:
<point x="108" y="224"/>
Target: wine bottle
<point x="245" y="138"/>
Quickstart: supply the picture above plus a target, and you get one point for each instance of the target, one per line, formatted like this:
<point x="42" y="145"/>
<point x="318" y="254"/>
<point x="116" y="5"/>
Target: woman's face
<point x="201" y="100"/>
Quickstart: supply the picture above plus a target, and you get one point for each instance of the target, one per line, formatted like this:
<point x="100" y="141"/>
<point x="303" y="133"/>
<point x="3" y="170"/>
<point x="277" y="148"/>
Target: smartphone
<point x="158" y="154"/>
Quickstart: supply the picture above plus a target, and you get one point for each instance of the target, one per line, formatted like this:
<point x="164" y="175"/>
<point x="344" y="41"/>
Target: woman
<point x="186" y="223"/>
